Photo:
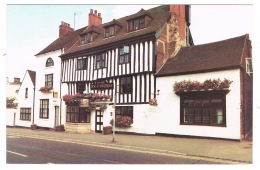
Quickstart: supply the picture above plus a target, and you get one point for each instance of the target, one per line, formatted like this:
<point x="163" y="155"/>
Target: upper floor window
<point x="101" y="61"/>
<point x="136" y="24"/>
<point x="124" y="55"/>
<point x="49" y="62"/>
<point x="82" y="64"/>
<point x="81" y="88"/>
<point x="49" y="80"/>
<point x="85" y="39"/>
<point x="126" y="85"/>
<point x="110" y="31"/>
<point x="26" y="92"/>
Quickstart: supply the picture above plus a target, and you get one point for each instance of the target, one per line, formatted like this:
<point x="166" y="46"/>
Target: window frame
<point x="123" y="56"/>
<point x="101" y="61"/>
<point x="26" y="93"/>
<point x="81" y="87"/>
<point x="48" y="82"/>
<point x="75" y="113"/>
<point x="119" y="111"/>
<point x="200" y="111"/>
<point x="136" y="24"/>
<point x="44" y="109"/>
<point x="83" y="65"/>
<point x="110" y="31"/>
<point x="49" y="62"/>
<point x="25" y="113"/>
<point x="126" y="85"/>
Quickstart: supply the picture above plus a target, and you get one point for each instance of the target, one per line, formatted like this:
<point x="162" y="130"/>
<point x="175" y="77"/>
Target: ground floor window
<point x="25" y="114"/>
<point x="203" y="109"/>
<point x="44" y="108"/>
<point x="124" y="111"/>
<point x="77" y="114"/>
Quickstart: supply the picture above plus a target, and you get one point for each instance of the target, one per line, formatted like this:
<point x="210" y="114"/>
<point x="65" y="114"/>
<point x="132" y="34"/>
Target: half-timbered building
<point x="119" y="58"/>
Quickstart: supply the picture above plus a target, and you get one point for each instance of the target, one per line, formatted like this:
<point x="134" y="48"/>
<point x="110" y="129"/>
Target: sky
<point x="31" y="28"/>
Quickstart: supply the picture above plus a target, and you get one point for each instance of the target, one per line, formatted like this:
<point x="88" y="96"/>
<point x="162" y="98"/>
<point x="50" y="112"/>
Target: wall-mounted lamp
<point x="158" y="91"/>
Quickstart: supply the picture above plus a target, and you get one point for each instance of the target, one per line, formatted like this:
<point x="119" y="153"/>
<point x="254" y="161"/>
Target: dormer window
<point x="49" y="62"/>
<point x="85" y="39"/>
<point x="110" y="31"/>
<point x="136" y="24"/>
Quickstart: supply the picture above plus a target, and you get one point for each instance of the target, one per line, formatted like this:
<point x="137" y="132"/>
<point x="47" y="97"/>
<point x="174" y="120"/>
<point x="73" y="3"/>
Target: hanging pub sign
<point x="84" y="103"/>
<point x="100" y="85"/>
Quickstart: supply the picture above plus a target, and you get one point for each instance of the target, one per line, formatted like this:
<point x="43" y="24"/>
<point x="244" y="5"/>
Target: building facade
<point x="119" y="59"/>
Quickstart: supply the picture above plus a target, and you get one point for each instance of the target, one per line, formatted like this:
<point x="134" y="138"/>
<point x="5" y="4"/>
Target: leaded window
<point x="203" y="109"/>
<point x="76" y="114"/>
<point x="136" y="24"/>
<point x="101" y="61"/>
<point x="110" y="31"/>
<point x="124" y="55"/>
<point x="49" y="80"/>
<point x="82" y="64"/>
<point x="49" y="62"/>
<point x="124" y="111"/>
<point x="44" y="108"/>
<point x="126" y="85"/>
<point x="25" y="114"/>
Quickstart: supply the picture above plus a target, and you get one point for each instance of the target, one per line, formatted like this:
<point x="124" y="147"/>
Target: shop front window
<point x="76" y="114"/>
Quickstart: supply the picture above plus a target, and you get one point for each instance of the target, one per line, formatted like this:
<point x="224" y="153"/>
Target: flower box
<point x="34" y="127"/>
<point x="107" y="130"/>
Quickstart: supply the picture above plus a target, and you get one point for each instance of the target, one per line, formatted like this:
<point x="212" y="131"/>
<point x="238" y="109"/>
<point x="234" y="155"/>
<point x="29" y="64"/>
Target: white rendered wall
<point x="40" y="82"/>
<point x="168" y="118"/>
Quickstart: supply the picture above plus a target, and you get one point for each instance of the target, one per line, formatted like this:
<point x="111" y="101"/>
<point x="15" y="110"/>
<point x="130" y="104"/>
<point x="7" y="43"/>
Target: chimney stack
<point x="16" y="80"/>
<point x="94" y="18"/>
<point x="64" y="29"/>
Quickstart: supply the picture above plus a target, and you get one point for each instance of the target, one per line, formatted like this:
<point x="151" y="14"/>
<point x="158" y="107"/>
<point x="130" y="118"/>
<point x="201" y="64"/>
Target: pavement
<point x="238" y="152"/>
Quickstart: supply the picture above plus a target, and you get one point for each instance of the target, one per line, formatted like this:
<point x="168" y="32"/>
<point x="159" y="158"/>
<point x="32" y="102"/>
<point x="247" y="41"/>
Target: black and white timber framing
<point x="141" y="68"/>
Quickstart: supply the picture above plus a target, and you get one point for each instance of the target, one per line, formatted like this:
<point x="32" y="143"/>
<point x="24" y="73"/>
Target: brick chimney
<point x="179" y="11"/>
<point x="16" y="80"/>
<point x="64" y="29"/>
<point x="94" y="18"/>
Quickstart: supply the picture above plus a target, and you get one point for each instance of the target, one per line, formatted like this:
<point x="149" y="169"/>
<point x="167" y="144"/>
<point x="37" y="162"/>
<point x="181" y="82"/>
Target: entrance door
<point x="56" y="121"/>
<point x="99" y="122"/>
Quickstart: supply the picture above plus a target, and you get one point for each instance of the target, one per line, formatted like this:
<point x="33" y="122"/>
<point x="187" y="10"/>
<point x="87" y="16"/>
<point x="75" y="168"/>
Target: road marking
<point x="17" y="153"/>
<point x="134" y="149"/>
<point x="13" y="137"/>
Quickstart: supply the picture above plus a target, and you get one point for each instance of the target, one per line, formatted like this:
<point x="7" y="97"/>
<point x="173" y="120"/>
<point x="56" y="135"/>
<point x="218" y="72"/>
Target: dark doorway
<point x="99" y="121"/>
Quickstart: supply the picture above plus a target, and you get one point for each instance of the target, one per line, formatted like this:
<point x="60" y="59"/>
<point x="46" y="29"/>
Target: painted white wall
<point x="168" y="118"/>
<point x="10" y="116"/>
<point x="40" y="82"/>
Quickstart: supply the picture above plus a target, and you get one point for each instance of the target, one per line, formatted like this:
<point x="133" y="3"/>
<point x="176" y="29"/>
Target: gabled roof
<point x="65" y="42"/>
<point x="32" y="75"/>
<point x="159" y="14"/>
<point x="219" y="55"/>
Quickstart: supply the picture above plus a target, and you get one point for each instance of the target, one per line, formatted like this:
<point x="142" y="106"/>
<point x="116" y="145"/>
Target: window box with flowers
<point x="153" y="102"/>
<point x="122" y="121"/>
<point x="46" y="89"/>
<point x="207" y="85"/>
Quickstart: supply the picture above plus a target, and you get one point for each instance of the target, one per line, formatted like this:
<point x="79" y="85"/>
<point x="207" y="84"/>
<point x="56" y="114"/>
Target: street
<point x="32" y="150"/>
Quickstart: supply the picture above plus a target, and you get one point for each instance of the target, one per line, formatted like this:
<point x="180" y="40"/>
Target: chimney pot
<point x="91" y="11"/>
<point x="99" y="14"/>
<point x="95" y="12"/>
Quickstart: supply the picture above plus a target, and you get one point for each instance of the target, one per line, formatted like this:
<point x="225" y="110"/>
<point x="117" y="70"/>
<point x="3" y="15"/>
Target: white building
<point x="193" y="110"/>
<point x="26" y="96"/>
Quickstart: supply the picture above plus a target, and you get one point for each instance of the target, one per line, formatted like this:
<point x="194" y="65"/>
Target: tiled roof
<point x="159" y="14"/>
<point x="32" y="75"/>
<point x="201" y="58"/>
<point x="65" y="42"/>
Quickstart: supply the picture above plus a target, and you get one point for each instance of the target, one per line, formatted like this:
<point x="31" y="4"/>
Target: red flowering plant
<point x="46" y="89"/>
<point x="214" y="84"/>
<point x="122" y="121"/>
<point x="153" y="102"/>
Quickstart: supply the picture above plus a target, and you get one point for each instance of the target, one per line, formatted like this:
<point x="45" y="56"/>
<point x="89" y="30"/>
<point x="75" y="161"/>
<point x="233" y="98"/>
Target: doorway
<point x="99" y="121"/>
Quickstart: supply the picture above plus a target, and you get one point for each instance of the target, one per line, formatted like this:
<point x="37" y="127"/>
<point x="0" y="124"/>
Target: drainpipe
<point x="33" y="105"/>
<point x="60" y="86"/>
